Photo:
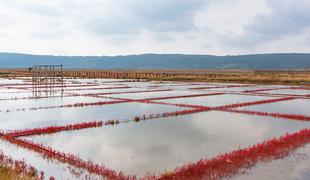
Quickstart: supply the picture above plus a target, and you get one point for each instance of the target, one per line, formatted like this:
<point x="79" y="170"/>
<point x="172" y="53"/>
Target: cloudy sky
<point x="120" y="27"/>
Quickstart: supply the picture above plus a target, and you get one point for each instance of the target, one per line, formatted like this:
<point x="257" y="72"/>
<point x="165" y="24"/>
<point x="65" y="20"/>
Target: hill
<point x="162" y="61"/>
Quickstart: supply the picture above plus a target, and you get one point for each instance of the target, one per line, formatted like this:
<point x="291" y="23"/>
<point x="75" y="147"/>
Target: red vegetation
<point x="224" y="165"/>
<point x="126" y="92"/>
<point x="265" y="89"/>
<point x="54" y="129"/>
<point x="176" y="104"/>
<point x="70" y="159"/>
<point x="183" y="96"/>
<point x="62" y="86"/>
<point x="237" y="105"/>
<point x="218" y="87"/>
<point x="276" y="115"/>
<point x="232" y="163"/>
<point x="98" y="88"/>
<point x="93" y="124"/>
<point x="100" y="103"/>
<point x="19" y="167"/>
<point x="77" y="94"/>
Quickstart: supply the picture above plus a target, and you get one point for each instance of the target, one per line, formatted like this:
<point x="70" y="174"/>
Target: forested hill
<point x="162" y="61"/>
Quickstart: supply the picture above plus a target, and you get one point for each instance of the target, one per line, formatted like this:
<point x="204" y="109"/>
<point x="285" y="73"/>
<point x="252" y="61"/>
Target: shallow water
<point x="295" y="106"/>
<point x="293" y="167"/>
<point x="156" y="145"/>
<point x="50" y="168"/>
<point x="154" y="94"/>
<point x="289" y="91"/>
<point x="148" y="146"/>
<point x="63" y="116"/>
<point x="217" y="100"/>
<point x="46" y="102"/>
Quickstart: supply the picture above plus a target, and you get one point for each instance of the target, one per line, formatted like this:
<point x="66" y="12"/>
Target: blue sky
<point x="120" y="27"/>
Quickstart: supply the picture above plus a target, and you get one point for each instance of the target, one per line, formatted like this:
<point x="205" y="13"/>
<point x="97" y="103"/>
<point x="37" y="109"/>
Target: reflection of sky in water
<point x="50" y="169"/>
<point x="237" y="88"/>
<point x="167" y="143"/>
<point x="295" y="106"/>
<point x="13" y="95"/>
<point x="295" y="166"/>
<point x="216" y="100"/>
<point x="62" y="116"/>
<point x="52" y="101"/>
<point x="103" y="90"/>
<point x="154" y="94"/>
<point x="154" y="145"/>
<point x="11" y="81"/>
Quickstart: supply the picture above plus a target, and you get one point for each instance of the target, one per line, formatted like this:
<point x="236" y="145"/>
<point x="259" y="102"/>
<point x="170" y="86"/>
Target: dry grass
<point x="11" y="169"/>
<point x="235" y="76"/>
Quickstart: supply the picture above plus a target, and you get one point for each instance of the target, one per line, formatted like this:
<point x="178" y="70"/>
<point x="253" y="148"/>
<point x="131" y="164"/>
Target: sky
<point x="122" y="27"/>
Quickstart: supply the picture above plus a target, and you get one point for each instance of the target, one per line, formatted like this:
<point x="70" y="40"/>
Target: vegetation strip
<point x="99" y="103"/>
<point x="70" y="159"/>
<point x="232" y="163"/>
<point x="92" y="124"/>
<point x="218" y="87"/>
<point x="54" y="129"/>
<point x="265" y="89"/>
<point x="237" y="105"/>
<point x="126" y="92"/>
<point x="66" y="90"/>
<point x="224" y="165"/>
<point x="76" y="94"/>
<point x="183" y="96"/>
<point x="276" y="115"/>
<point x="59" y="86"/>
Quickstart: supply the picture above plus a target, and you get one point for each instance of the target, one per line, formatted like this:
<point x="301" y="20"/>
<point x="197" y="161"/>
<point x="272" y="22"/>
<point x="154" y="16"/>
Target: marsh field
<point x="148" y="129"/>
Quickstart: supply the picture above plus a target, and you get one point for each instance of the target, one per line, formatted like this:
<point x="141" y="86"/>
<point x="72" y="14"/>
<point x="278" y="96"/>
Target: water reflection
<point x="50" y="168"/>
<point x="295" y="166"/>
<point x="217" y="100"/>
<point x="47" y="87"/>
<point x="63" y="116"/>
<point x="295" y="106"/>
<point x="167" y="143"/>
<point x="151" y="146"/>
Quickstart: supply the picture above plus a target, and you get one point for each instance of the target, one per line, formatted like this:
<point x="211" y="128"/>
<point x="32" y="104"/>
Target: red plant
<point x="232" y="163"/>
<point x="182" y="96"/>
<point x="237" y="105"/>
<point x="217" y="87"/>
<point x="100" y="103"/>
<point x="276" y="115"/>
<point x="223" y="165"/>
<point x="20" y="167"/>
<point x="53" y="129"/>
<point x="126" y="92"/>
<point x="70" y="159"/>
<point x="264" y="89"/>
<point x="93" y="124"/>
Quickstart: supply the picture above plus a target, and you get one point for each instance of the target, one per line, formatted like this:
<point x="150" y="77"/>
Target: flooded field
<point x="130" y="129"/>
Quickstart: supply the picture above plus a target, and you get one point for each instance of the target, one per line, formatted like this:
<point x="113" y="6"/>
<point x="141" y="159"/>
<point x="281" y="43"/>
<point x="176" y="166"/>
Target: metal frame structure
<point x="45" y="78"/>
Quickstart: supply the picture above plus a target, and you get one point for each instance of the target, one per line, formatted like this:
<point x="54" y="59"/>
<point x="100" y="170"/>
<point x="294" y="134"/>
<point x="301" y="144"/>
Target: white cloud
<point x="229" y="17"/>
<point x="112" y="27"/>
